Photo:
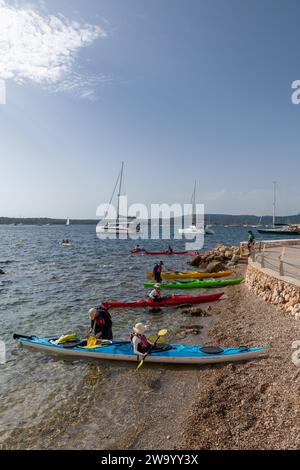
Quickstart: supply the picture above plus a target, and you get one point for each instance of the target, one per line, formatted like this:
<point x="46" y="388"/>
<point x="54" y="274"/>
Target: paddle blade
<point x="91" y="342"/>
<point x="159" y="337"/>
<point x="140" y="364"/>
<point x="162" y="332"/>
<point x="156" y="339"/>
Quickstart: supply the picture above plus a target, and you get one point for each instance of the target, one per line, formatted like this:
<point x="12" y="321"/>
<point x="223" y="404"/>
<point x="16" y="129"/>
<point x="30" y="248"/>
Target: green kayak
<point x="196" y="283"/>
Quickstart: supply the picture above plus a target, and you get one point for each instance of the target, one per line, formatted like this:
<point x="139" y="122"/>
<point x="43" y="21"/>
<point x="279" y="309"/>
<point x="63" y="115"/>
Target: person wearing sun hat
<point x="155" y="294"/>
<point x="139" y="341"/>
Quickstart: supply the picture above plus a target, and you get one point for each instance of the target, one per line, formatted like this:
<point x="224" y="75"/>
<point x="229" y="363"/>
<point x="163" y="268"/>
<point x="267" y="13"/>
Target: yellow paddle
<point x="159" y="335"/>
<point x="158" y="339"/>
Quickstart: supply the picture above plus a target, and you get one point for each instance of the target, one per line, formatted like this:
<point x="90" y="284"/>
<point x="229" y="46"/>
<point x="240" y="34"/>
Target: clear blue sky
<point x="197" y="89"/>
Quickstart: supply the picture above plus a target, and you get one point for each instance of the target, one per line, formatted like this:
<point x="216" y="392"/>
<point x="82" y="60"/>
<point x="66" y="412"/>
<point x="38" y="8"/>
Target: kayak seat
<point x="211" y="350"/>
<point x="161" y="347"/>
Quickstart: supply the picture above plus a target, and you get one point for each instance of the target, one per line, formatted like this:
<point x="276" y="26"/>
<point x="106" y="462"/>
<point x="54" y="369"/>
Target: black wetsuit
<point x="102" y="324"/>
<point x="157" y="273"/>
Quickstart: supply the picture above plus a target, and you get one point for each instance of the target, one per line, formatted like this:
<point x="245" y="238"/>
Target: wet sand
<point x="247" y="405"/>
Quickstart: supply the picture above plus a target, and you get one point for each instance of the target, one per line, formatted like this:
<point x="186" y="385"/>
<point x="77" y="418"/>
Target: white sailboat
<point x="122" y="225"/>
<point x="193" y="229"/>
<point x="68" y="221"/>
<point x="278" y="229"/>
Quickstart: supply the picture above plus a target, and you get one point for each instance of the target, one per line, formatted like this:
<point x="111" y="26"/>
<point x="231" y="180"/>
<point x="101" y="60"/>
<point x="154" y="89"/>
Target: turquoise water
<point x="47" y="290"/>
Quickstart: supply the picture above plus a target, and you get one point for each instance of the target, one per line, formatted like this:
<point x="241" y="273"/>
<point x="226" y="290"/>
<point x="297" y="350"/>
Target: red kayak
<point x="174" y="300"/>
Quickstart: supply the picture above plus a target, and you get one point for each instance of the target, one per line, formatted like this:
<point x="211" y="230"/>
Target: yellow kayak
<point x="192" y="274"/>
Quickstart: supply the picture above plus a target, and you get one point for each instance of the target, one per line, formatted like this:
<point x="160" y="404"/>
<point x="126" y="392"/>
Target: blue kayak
<point x="122" y="351"/>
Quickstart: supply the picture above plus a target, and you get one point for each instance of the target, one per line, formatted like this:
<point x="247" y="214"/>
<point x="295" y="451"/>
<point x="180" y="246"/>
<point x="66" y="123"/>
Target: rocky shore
<point x="218" y="259"/>
<point x="247" y="405"/>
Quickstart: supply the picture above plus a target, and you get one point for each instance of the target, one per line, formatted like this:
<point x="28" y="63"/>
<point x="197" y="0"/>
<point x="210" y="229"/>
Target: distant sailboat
<point x="279" y="229"/>
<point x="68" y="221"/>
<point x="193" y="228"/>
<point x="122" y="225"/>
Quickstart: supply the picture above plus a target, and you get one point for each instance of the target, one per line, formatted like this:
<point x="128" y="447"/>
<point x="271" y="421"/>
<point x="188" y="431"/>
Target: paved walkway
<point x="271" y="259"/>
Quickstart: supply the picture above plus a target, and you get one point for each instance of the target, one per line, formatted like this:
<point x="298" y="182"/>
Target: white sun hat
<point x="140" y="328"/>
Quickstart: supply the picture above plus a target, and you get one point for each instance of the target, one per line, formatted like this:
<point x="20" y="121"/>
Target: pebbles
<point x="252" y="405"/>
<point x="195" y="312"/>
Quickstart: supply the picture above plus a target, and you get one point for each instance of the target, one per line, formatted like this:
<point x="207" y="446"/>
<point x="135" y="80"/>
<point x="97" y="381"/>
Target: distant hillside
<point x="227" y="219"/>
<point x="215" y="219"/>
<point x="44" y="221"/>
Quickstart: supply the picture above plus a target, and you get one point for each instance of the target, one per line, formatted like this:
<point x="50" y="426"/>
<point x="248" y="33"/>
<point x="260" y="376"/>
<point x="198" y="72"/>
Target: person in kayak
<point x="250" y="240"/>
<point x="139" y="341"/>
<point x="155" y="294"/>
<point x="157" y="270"/>
<point x="101" y="323"/>
<point x="138" y="248"/>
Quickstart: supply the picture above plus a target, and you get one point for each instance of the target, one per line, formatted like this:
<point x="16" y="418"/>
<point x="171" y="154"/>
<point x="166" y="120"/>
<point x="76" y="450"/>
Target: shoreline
<point x="243" y="405"/>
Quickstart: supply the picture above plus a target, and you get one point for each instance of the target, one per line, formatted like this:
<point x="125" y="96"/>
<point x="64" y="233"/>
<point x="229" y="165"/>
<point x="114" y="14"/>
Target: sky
<point x="178" y="90"/>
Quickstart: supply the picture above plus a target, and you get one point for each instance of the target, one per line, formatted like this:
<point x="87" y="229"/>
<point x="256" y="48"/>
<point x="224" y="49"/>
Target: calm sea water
<point x="47" y="290"/>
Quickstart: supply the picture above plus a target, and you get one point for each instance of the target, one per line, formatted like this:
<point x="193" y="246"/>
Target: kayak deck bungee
<point x="191" y="274"/>
<point x="196" y="283"/>
<point x="173" y="300"/>
<point x="123" y="351"/>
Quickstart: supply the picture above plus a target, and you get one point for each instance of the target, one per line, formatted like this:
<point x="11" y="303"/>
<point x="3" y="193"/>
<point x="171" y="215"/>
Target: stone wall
<point x="284" y="295"/>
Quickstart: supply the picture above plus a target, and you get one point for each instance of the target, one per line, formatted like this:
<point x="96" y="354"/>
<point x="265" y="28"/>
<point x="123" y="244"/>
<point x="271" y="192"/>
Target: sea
<point x="47" y="290"/>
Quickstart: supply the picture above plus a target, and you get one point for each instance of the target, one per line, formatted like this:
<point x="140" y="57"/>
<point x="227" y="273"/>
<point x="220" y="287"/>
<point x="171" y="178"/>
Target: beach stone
<point x="219" y="258"/>
<point x="214" y="267"/>
<point x="235" y="258"/>
<point x="196" y="261"/>
<point x="191" y="329"/>
<point x="228" y="254"/>
<point x="195" y="312"/>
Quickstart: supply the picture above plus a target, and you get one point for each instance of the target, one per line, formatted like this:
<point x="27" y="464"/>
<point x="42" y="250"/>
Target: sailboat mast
<point x="274" y="202"/>
<point x="119" y="194"/>
<point x="194" y="205"/>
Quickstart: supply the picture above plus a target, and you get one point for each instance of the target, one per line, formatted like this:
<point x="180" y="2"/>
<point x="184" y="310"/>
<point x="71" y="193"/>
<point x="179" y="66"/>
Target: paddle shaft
<point x="148" y="352"/>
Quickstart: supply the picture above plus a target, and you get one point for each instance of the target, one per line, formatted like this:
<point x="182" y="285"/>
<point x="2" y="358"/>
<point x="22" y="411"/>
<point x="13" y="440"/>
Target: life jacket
<point x="154" y="295"/>
<point x="102" y="319"/>
<point x="144" y="344"/>
<point x="102" y="316"/>
<point x="157" y="269"/>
